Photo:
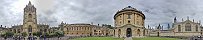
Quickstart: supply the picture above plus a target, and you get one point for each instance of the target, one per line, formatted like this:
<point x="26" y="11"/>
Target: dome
<point x="129" y="8"/>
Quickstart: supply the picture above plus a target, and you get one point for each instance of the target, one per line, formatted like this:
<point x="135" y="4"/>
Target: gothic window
<point x="179" y="28"/>
<point x="129" y="16"/>
<point x="18" y="30"/>
<point x="45" y="30"/>
<point x="14" y="30"/>
<point x="30" y="15"/>
<point x="196" y="28"/>
<point x="187" y="27"/>
<point x="30" y="28"/>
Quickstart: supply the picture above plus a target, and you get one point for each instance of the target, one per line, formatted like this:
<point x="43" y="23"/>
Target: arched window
<point x="114" y="32"/>
<point x="18" y="30"/>
<point x="119" y="32"/>
<point x="187" y="27"/>
<point x="45" y="30"/>
<point x="196" y="28"/>
<point x="179" y="28"/>
<point x="138" y="32"/>
<point x="30" y="28"/>
<point x="14" y="30"/>
<point x="30" y="15"/>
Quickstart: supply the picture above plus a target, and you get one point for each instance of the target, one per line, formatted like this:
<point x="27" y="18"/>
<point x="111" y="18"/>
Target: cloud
<point x="101" y="11"/>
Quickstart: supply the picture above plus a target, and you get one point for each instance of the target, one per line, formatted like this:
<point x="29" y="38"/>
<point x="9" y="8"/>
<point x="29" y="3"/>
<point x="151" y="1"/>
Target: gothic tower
<point x="30" y="19"/>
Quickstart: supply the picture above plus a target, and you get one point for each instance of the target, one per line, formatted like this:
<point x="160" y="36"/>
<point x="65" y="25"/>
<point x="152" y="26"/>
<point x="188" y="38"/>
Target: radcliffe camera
<point x="101" y="19"/>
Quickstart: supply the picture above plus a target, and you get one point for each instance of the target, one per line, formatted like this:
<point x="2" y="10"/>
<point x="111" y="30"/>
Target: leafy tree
<point x="7" y="34"/>
<point x="24" y="34"/>
<point x="37" y="34"/>
<point x="59" y="33"/>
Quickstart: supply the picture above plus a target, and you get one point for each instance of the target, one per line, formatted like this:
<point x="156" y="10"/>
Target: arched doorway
<point x="128" y="32"/>
<point x="138" y="32"/>
<point x="29" y="30"/>
<point x="119" y="32"/>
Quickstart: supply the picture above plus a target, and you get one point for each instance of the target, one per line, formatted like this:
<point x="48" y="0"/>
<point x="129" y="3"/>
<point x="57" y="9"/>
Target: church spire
<point x="29" y="3"/>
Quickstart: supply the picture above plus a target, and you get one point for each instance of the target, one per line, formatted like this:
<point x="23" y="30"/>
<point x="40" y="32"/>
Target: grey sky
<point x="100" y="11"/>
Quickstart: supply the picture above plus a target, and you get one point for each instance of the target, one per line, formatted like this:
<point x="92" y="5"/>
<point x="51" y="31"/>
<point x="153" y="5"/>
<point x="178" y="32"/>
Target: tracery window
<point x="30" y="28"/>
<point x="179" y="28"/>
<point x="30" y="15"/>
<point x="187" y="27"/>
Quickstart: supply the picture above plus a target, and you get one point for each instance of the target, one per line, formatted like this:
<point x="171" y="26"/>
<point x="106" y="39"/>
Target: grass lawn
<point x="154" y="38"/>
<point x="98" y="38"/>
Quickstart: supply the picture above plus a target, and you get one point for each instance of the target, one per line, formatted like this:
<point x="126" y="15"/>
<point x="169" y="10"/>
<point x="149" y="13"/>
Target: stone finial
<point x="148" y="27"/>
<point x="182" y="20"/>
<point x="175" y="20"/>
<point x="129" y="7"/>
<point x="29" y="3"/>
<point x="187" y="17"/>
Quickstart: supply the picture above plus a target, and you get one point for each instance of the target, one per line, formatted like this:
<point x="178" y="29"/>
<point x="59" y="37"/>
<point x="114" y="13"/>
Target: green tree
<point x="24" y="34"/>
<point x="37" y="34"/>
<point x="59" y="33"/>
<point x="7" y="34"/>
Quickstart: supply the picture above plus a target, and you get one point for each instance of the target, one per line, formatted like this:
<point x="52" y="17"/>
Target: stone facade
<point x="78" y="29"/>
<point x="129" y="22"/>
<point x="30" y="19"/>
<point x="31" y="26"/>
<point x="185" y="28"/>
<point x="29" y="22"/>
<point x="83" y="29"/>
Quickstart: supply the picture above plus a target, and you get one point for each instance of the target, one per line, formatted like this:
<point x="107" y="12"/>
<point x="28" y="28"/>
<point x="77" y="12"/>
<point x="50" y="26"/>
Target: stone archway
<point x="128" y="32"/>
<point x="138" y="32"/>
<point x="119" y="32"/>
<point x="29" y="30"/>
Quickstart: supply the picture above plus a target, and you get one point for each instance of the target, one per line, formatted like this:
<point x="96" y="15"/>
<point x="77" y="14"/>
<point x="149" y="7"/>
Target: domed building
<point x="129" y="22"/>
